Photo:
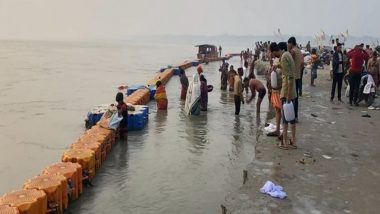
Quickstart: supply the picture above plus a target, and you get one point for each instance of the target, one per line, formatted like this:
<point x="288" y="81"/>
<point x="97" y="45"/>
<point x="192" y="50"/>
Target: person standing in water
<point x="204" y="93"/>
<point x="223" y="75"/>
<point x="257" y="85"/>
<point x="160" y="96"/>
<point x="220" y="50"/>
<point x="184" y="82"/>
<point x="288" y="89"/>
<point x="338" y="72"/>
<point x="238" y="92"/>
<point x="231" y="78"/>
<point x="122" y="109"/>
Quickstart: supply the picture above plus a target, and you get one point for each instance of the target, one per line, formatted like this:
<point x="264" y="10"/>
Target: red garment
<point x="358" y="57"/>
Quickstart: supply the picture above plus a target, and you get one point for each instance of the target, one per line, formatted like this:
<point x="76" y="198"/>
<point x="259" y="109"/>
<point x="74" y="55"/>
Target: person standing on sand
<point x="231" y="78"/>
<point x="288" y="90"/>
<point x="238" y="92"/>
<point x="338" y="72"/>
<point x="257" y="85"/>
<point x="374" y="68"/>
<point x="314" y="66"/>
<point x="275" y="97"/>
<point x="357" y="56"/>
<point x="298" y="62"/>
<point x="184" y="82"/>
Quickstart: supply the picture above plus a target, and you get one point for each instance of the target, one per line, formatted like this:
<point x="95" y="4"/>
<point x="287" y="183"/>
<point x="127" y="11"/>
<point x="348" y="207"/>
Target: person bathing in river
<point x="184" y="82"/>
<point x="238" y="92"/>
<point x="204" y="93"/>
<point x="257" y="85"/>
<point x="223" y="75"/>
<point x="231" y="78"/>
<point x="161" y="98"/>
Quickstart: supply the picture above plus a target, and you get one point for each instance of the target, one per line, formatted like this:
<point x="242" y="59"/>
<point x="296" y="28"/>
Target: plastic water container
<point x="273" y="79"/>
<point x="289" y="111"/>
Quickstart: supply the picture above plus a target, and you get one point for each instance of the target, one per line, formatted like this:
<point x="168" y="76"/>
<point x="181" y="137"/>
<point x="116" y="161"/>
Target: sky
<point x="118" y="19"/>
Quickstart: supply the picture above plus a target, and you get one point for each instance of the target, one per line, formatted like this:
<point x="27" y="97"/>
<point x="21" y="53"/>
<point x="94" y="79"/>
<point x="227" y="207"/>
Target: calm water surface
<point x="176" y="165"/>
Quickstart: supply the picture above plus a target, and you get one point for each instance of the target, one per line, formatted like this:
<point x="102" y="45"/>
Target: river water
<point x="175" y="165"/>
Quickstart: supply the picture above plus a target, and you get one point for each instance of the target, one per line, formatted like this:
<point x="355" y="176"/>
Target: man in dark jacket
<point x="338" y="72"/>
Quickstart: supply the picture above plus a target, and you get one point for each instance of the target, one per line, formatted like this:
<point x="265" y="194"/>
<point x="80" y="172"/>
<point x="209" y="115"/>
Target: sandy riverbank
<point x="346" y="183"/>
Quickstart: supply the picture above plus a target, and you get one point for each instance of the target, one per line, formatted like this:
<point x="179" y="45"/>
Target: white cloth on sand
<point x="271" y="128"/>
<point x="273" y="190"/>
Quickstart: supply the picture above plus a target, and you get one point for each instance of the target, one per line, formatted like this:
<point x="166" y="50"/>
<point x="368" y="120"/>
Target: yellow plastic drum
<point x="94" y="146"/>
<point x="30" y="201"/>
<point x="55" y="187"/>
<point x="95" y="139"/>
<point x="72" y="171"/>
<point x="6" y="209"/>
<point x="85" y="157"/>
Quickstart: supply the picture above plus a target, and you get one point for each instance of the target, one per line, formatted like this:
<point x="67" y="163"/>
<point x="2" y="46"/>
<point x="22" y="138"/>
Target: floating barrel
<point x="176" y="71"/>
<point x="139" y="97"/>
<point x="85" y="157"/>
<point x="134" y="88"/>
<point x="138" y="119"/>
<point x="86" y="138"/>
<point x="30" y="201"/>
<point x="92" y="145"/>
<point x="96" y="114"/>
<point x="55" y="187"/>
<point x="152" y="91"/>
<point x="6" y="209"/>
<point x="73" y="174"/>
<point x="195" y="63"/>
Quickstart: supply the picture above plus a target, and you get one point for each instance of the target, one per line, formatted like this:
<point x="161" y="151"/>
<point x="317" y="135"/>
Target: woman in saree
<point x="161" y="98"/>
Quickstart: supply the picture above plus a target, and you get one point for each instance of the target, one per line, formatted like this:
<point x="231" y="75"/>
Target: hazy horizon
<point x="120" y="19"/>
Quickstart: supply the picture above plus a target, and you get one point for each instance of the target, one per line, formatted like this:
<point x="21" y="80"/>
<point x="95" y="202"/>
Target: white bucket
<point x="289" y="111"/>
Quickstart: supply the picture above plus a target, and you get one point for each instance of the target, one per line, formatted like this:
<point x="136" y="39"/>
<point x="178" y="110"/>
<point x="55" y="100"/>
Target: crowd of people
<point x="285" y="78"/>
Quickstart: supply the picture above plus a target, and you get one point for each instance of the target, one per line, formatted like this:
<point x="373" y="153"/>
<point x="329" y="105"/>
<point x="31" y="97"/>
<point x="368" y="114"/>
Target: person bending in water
<point x="122" y="108"/>
<point x="257" y="85"/>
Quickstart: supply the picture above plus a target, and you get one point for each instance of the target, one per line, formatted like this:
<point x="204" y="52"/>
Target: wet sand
<point x="346" y="183"/>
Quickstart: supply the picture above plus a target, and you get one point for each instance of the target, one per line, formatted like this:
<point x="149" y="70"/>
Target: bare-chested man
<point x="257" y="85"/>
